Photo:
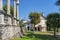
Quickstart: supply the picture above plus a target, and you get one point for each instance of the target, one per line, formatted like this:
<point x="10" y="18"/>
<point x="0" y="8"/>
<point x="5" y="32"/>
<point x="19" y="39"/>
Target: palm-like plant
<point x="11" y="9"/>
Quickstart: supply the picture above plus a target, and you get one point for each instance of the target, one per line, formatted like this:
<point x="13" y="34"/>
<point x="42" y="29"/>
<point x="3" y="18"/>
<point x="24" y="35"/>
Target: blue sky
<point x="27" y="6"/>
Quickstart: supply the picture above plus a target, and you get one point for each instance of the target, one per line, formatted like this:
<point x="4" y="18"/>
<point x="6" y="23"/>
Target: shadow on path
<point x="40" y="37"/>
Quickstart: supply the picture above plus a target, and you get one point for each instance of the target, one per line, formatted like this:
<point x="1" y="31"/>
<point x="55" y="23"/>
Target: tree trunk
<point x="33" y="27"/>
<point x="57" y="29"/>
<point x="54" y="31"/>
<point x="23" y="30"/>
<point x="21" y="35"/>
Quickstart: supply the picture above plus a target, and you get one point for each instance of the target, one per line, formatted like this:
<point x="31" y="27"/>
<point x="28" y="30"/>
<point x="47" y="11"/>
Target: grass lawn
<point x="37" y="36"/>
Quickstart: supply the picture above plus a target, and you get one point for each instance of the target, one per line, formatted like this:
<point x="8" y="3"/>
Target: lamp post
<point x="17" y="9"/>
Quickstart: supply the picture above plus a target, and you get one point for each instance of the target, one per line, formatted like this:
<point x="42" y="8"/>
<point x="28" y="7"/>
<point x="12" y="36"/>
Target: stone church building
<point x="42" y="25"/>
<point x="38" y="27"/>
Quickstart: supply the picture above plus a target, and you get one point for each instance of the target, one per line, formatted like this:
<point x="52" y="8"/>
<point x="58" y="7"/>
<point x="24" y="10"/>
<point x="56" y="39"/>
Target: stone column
<point x="1" y="5"/>
<point x="36" y="28"/>
<point x="8" y="12"/>
<point x="15" y="11"/>
<point x="1" y="13"/>
<point x="1" y="20"/>
<point x="9" y="20"/>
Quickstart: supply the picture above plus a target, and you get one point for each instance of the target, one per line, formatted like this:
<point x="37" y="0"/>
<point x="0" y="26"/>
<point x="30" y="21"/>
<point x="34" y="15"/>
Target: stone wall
<point x="9" y="26"/>
<point x="9" y="32"/>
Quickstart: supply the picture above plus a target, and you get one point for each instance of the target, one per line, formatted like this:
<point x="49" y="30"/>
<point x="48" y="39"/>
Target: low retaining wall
<point x="7" y="32"/>
<point x="8" y="29"/>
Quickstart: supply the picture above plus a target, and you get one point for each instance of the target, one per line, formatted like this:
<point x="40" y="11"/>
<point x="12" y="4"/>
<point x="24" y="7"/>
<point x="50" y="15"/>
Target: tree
<point x="22" y="25"/>
<point x="11" y="9"/>
<point x="53" y="20"/>
<point x="35" y="18"/>
<point x="57" y="3"/>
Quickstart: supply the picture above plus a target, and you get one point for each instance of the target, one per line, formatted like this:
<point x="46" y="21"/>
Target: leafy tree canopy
<point x="34" y="17"/>
<point x="58" y="2"/>
<point x="53" y="20"/>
